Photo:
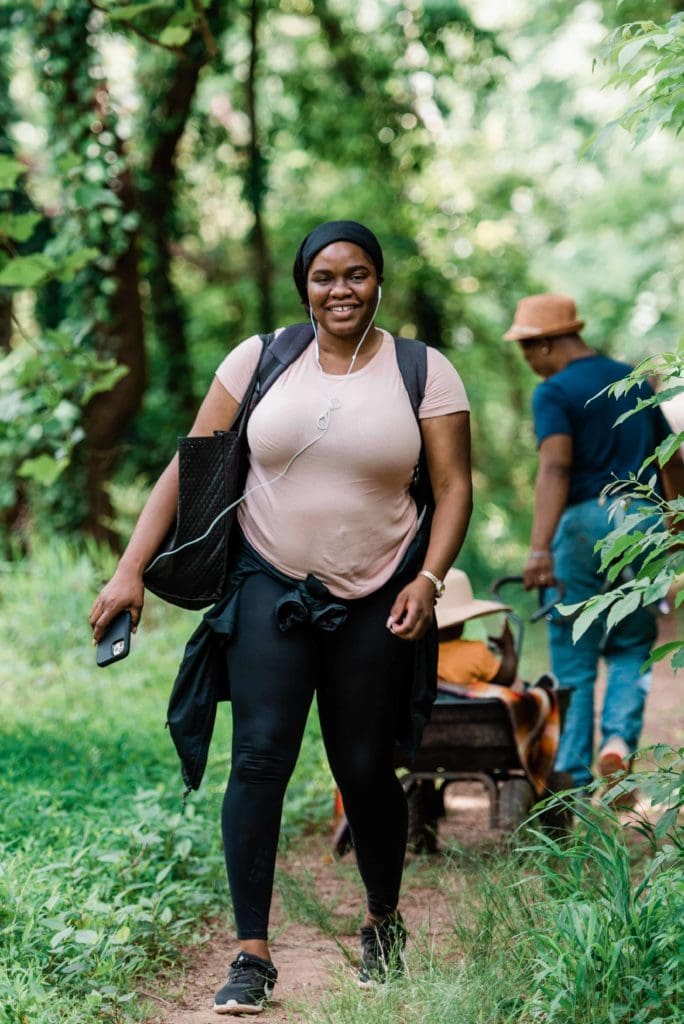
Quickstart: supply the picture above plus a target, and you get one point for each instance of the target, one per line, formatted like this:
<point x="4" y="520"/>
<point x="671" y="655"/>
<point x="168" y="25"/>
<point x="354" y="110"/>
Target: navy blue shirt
<point x="601" y="452"/>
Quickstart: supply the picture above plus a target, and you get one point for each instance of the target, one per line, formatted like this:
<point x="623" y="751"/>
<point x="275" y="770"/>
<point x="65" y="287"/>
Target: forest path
<point x="307" y="958"/>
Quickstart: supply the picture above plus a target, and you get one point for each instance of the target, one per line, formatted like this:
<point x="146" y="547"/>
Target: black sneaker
<point x="382" y="951"/>
<point x="250" y="983"/>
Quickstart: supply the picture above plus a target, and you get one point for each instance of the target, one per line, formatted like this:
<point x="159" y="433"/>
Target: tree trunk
<point x="158" y="211"/>
<point x="5" y="322"/>
<point x="110" y="413"/>
<point x="429" y="317"/>
<point x="255" y="185"/>
<point x="171" y="96"/>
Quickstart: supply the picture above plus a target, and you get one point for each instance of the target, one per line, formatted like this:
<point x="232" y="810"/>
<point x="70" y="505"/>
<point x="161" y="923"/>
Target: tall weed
<point x="605" y="941"/>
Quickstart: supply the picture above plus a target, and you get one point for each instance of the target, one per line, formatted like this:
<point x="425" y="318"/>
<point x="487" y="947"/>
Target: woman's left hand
<point x="412" y="610"/>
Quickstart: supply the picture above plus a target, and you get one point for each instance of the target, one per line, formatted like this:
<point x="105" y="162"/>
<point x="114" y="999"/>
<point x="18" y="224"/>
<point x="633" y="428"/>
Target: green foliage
<point x="19" y="226"/>
<point x="10" y="171"/>
<point x="659" y="782"/>
<point x="606" y="950"/>
<point x="647" y="546"/>
<point x="649" y="58"/>
<point x="45" y="386"/>
<point x="603" y="941"/>
<point x="164" y="23"/>
<point x="457" y="142"/>
<point x="645" y="541"/>
<point x="32" y="271"/>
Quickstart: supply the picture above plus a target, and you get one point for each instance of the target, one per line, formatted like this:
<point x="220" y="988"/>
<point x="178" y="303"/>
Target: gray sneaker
<point x="250" y="984"/>
<point x="382" y="951"/>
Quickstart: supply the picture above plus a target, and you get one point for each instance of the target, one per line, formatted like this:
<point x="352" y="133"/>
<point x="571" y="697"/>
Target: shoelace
<point x="241" y="966"/>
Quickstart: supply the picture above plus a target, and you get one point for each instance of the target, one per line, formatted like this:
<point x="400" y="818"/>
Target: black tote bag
<point x="190" y="567"/>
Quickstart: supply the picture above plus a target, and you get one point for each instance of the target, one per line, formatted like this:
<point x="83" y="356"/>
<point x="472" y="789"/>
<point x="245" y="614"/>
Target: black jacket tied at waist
<point x="309" y="601"/>
<point x="202" y="676"/>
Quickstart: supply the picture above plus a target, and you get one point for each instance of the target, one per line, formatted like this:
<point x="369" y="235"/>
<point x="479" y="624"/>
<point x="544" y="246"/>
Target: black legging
<point x="361" y="675"/>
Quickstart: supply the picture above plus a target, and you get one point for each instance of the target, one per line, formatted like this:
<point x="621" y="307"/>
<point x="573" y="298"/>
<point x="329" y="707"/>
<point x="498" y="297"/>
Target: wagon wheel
<point x="516" y="799"/>
<point x="425" y="807"/>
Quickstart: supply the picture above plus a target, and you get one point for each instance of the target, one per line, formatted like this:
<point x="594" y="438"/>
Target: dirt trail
<point x="306" y="958"/>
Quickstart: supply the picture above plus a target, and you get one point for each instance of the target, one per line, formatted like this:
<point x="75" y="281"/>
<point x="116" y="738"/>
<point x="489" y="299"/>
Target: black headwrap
<point x="326" y="234"/>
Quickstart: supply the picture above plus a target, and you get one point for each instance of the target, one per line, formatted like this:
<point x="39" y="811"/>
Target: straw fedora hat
<point x="544" y="316"/>
<point x="457" y="604"/>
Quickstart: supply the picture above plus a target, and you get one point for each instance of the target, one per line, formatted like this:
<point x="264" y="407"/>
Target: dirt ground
<point x="306" y="957"/>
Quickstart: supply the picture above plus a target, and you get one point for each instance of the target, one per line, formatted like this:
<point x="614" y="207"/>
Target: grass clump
<point x="605" y="942"/>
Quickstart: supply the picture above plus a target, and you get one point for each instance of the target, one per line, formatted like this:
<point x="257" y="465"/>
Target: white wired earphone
<point x="322" y="423"/>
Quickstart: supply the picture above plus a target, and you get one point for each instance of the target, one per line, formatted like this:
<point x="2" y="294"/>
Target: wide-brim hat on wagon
<point x="544" y="316"/>
<point x="457" y="604"/>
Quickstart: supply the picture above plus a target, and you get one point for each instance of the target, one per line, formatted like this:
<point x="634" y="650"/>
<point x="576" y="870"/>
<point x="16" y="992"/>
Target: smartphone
<point x="116" y="642"/>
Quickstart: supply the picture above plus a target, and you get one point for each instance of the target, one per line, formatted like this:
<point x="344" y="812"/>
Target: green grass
<point x="103" y="881"/>
<point x="102" y="878"/>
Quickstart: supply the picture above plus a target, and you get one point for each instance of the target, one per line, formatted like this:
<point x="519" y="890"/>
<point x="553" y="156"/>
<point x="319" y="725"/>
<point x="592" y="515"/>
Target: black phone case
<point x="116" y="642"/>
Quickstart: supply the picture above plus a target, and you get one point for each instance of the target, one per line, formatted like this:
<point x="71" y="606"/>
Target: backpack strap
<point x="276" y="355"/>
<point x="412" y="360"/>
<point x="280" y="351"/>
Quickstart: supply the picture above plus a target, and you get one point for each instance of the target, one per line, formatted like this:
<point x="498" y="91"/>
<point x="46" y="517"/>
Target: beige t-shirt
<point x="342" y="509"/>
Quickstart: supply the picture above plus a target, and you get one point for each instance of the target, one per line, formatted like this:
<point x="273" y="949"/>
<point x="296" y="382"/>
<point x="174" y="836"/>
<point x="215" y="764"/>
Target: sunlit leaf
<point x="585" y="620"/>
<point x="622" y="608"/>
<point x="74" y="262"/>
<point x="60" y="937"/>
<point x="678" y="658"/>
<point x="19" y="226"/>
<point x="44" y="469"/>
<point x="175" y="35"/>
<point x="27" y="271"/>
<point x="630" y="50"/>
<point x="104" y="382"/>
<point x="10" y="170"/>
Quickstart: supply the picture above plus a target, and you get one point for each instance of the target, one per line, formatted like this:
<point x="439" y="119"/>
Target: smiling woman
<point x="334" y="584"/>
<point x="344" y="295"/>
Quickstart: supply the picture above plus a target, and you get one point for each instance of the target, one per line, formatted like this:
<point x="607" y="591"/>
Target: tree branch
<point x="178" y="51"/>
<point x="255" y="185"/>
<point x="205" y="30"/>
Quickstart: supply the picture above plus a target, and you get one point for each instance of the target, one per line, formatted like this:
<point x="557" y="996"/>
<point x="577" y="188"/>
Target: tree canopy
<point x="160" y="162"/>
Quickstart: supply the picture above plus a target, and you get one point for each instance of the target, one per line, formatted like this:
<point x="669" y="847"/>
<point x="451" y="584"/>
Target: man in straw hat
<point x="581" y="450"/>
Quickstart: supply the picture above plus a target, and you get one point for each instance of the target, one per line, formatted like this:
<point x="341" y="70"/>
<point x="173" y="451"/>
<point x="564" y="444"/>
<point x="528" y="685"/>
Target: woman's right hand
<point x="124" y="591"/>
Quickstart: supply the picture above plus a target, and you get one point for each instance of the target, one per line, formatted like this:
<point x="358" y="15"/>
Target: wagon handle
<point x="544" y="609"/>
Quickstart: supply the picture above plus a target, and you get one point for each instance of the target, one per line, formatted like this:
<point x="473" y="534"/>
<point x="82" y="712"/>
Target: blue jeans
<point x="624" y="649"/>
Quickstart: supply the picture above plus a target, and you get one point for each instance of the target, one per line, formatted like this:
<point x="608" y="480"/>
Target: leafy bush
<point x="656" y="79"/>
<point x="646" y="542"/>
<point x="44" y="387"/>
